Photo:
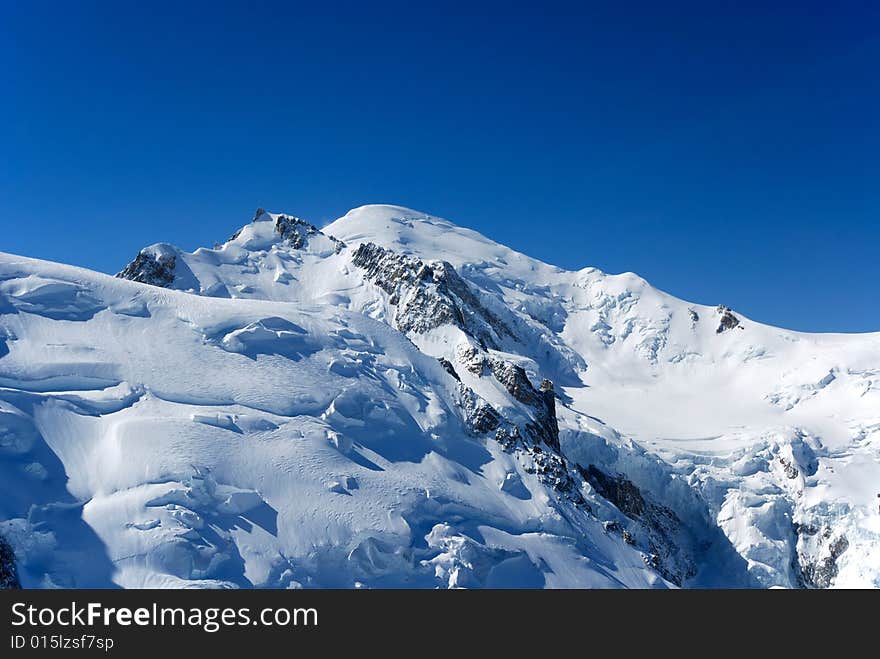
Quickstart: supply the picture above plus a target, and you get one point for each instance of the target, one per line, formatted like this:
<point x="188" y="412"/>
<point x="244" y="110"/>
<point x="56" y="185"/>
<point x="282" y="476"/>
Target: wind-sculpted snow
<point x="271" y="336"/>
<point x="58" y="300"/>
<point x="251" y="443"/>
<point x="394" y="401"/>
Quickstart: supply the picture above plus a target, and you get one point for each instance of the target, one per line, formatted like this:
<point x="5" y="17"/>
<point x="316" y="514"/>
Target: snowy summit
<point x="395" y="401"/>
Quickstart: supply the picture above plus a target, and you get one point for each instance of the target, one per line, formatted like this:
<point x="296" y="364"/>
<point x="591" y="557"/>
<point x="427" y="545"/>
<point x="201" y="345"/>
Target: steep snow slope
<point x="157" y="438"/>
<point x="689" y="382"/>
<point x="405" y="402"/>
<point x="727" y="402"/>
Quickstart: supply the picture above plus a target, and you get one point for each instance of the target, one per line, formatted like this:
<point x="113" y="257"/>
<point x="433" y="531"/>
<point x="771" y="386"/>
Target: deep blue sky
<point x="729" y="155"/>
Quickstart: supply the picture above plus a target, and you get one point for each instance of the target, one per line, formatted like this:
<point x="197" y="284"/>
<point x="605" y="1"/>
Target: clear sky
<point x="727" y="153"/>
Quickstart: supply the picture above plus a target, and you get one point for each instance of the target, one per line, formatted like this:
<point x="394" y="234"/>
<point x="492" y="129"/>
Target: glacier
<point x="393" y="401"/>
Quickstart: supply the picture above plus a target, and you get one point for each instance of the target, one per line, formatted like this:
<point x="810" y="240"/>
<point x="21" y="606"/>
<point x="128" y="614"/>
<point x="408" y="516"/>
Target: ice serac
<point x="396" y="401"/>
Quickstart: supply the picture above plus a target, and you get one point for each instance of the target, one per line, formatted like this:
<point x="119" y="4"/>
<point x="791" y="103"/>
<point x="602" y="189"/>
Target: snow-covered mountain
<point x="395" y="401"/>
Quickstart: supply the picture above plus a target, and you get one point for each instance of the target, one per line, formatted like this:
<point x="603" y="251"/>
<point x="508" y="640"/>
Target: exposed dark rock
<point x="616" y="528"/>
<point x="550" y="467"/>
<point x="8" y="573"/>
<point x="384" y="268"/>
<point x="805" y="529"/>
<point x="297" y="231"/>
<point x="545" y="431"/>
<point x="695" y="317"/>
<point x="515" y="380"/>
<point x="547" y="415"/>
<point x="509" y="437"/>
<point x="666" y="536"/>
<point x="727" y="319"/>
<point x="447" y="365"/>
<point x="821" y="573"/>
<point x="611" y="527"/>
<point x="151" y="266"/>
<point x="472" y="358"/>
<point x="428" y="295"/>
<point x="553" y="470"/>
<point x="791" y="471"/>
<point x="545" y="427"/>
<point x="480" y="416"/>
<point x="617" y="489"/>
<point x="294" y="230"/>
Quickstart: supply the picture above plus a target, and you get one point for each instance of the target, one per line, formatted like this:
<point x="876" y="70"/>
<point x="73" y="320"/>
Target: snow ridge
<point x="395" y="401"/>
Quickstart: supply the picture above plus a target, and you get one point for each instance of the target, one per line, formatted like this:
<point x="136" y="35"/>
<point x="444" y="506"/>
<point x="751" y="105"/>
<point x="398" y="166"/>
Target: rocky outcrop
<point x="554" y="471"/>
<point x="8" y="573"/>
<point x="540" y="403"/>
<point x="661" y="529"/>
<point x="428" y="295"/>
<point x="820" y="572"/>
<point x="545" y="427"/>
<point x="296" y="232"/>
<point x="726" y="320"/>
<point x="472" y="358"/>
<point x="448" y="367"/>
<point x="791" y="472"/>
<point x="618" y="490"/>
<point x="546" y="463"/>
<point x="153" y="265"/>
<point x="515" y="381"/>
<point x="480" y="417"/>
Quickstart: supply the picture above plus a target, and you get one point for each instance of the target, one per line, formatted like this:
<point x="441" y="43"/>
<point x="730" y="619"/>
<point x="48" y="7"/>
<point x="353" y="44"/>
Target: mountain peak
<point x="429" y="237"/>
<point x="153" y="265"/>
<point x="413" y="383"/>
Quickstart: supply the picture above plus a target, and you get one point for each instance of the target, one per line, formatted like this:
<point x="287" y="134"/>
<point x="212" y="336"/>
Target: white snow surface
<point x="272" y="420"/>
